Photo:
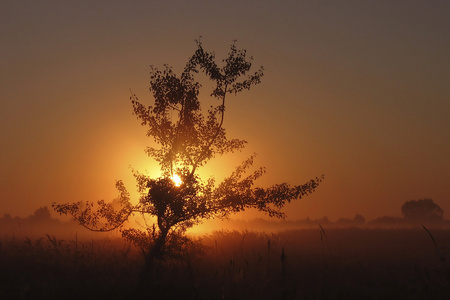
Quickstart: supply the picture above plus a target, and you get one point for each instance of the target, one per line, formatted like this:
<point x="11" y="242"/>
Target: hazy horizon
<point x="44" y="222"/>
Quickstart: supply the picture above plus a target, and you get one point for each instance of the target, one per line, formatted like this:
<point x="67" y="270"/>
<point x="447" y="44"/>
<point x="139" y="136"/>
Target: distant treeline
<point x="415" y="213"/>
<point x="41" y="222"/>
<point x="358" y="221"/>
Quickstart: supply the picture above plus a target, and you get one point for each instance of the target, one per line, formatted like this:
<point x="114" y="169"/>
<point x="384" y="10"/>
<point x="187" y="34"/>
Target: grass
<point x="299" y="264"/>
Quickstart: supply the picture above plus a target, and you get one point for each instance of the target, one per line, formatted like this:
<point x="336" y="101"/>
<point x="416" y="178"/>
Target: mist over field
<point x="41" y="223"/>
<point x="315" y="262"/>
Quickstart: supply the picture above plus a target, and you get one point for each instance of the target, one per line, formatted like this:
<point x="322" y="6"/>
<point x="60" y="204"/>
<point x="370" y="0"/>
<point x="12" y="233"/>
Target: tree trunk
<point x="148" y="279"/>
<point x="156" y="252"/>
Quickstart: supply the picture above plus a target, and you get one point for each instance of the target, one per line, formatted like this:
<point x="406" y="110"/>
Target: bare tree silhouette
<point x="185" y="139"/>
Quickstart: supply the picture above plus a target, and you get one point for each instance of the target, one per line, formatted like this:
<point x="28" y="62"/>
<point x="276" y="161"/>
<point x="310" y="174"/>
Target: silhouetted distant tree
<point x="185" y="138"/>
<point x="422" y="210"/>
<point x="359" y="219"/>
<point x="41" y="214"/>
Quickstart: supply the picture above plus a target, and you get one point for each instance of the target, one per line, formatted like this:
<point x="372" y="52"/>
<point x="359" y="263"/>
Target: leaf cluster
<point x="183" y="135"/>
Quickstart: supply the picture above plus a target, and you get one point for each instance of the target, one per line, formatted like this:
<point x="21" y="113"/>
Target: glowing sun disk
<point x="176" y="179"/>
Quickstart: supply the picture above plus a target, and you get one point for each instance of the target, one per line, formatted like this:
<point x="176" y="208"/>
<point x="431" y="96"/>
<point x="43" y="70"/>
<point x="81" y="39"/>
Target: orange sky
<point x="356" y="90"/>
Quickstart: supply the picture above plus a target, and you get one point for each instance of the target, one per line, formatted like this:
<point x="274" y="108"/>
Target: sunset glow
<point x="196" y="150"/>
<point x="357" y="92"/>
<point x="176" y="179"/>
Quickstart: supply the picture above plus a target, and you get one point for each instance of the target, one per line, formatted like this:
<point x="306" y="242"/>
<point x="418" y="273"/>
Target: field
<point x="299" y="264"/>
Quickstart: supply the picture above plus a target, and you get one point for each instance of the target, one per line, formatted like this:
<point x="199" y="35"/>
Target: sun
<point x="176" y="179"/>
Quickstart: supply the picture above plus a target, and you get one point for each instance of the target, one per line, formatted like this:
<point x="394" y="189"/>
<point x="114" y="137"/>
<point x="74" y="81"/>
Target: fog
<point x="42" y="223"/>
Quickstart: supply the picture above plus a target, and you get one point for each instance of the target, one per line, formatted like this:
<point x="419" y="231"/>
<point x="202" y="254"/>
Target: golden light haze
<point x="355" y="90"/>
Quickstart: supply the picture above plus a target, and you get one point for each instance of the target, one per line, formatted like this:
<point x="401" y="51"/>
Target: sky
<point x="355" y="90"/>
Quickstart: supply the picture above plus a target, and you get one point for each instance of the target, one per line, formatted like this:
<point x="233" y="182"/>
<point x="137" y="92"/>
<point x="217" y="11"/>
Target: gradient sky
<point x="356" y="90"/>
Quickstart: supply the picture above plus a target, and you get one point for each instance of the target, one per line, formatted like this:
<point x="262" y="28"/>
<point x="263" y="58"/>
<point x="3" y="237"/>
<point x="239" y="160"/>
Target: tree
<point x="41" y="214"/>
<point x="422" y="210"/>
<point x="185" y="138"/>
